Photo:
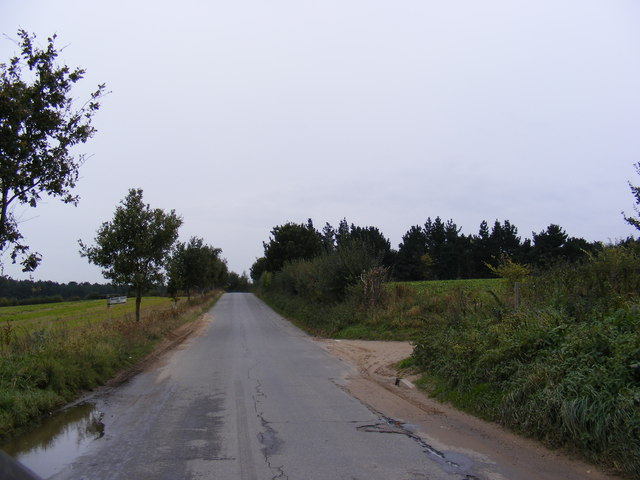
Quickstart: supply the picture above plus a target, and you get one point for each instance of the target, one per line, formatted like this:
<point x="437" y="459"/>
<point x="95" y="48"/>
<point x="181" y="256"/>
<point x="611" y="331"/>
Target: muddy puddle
<point x="58" y="440"/>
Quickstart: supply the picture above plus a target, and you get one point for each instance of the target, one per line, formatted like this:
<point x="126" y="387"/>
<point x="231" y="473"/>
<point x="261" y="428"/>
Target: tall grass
<point x="50" y="365"/>
<point x="403" y="312"/>
<point x="564" y="367"/>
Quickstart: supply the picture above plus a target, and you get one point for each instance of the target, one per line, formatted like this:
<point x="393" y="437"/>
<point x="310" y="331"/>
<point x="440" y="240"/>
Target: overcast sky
<point x="242" y="115"/>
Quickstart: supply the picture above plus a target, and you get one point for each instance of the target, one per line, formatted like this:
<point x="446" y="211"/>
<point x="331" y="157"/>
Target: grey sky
<point x="244" y="115"/>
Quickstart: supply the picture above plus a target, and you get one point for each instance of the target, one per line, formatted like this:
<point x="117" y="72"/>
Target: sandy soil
<point x="502" y="454"/>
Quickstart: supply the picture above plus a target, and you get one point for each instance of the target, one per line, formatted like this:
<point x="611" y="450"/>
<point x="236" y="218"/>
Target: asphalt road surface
<point x="251" y="398"/>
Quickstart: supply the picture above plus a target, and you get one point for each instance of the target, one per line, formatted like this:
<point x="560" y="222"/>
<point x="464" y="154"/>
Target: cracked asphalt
<point x="252" y="398"/>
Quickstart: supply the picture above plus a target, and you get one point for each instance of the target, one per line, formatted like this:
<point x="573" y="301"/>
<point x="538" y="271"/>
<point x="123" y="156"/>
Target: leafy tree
<point x="369" y="239"/>
<point x="513" y="272"/>
<point x="373" y="240"/>
<point x="258" y="268"/>
<point x="39" y="124"/>
<point x="133" y="248"/>
<point x="290" y="242"/>
<point x="238" y="283"/>
<point x="635" y="191"/>
<point x="196" y="266"/>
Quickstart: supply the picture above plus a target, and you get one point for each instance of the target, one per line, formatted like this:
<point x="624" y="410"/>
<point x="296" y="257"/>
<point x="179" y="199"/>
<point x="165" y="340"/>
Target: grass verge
<point x="46" y="368"/>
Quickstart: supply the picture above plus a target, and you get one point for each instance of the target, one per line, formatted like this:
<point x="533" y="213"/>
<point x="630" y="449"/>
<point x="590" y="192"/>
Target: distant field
<point x="32" y="317"/>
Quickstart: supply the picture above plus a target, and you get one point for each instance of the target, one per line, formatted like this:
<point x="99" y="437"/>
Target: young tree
<point x="133" y="248"/>
<point x="39" y="124"/>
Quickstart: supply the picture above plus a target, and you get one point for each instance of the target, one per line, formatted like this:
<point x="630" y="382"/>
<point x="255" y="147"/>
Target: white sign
<point x="116" y="300"/>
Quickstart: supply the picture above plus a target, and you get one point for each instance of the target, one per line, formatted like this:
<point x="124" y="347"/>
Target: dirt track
<point x="506" y="456"/>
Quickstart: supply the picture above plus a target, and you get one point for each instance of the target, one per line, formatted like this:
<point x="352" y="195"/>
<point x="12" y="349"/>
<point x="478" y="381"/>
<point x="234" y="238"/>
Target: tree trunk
<point x="138" y="300"/>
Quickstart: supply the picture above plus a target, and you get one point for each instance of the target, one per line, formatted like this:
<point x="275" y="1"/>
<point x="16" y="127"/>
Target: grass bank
<point x="405" y="310"/>
<point x="563" y="367"/>
<point x="48" y="361"/>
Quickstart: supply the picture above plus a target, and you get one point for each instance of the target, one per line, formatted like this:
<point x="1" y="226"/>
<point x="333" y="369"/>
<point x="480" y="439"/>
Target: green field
<point x="27" y="318"/>
<point x="403" y="313"/>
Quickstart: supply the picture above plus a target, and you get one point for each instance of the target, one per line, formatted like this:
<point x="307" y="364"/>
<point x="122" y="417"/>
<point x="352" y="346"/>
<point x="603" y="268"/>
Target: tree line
<point x="16" y="292"/>
<point x="436" y="250"/>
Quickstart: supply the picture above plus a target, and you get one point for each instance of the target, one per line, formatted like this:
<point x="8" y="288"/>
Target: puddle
<point x="58" y="440"/>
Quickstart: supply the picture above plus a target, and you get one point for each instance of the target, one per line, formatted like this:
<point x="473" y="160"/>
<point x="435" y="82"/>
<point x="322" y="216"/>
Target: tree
<point x="504" y="240"/>
<point x="258" y="268"/>
<point x="196" y="266"/>
<point x="635" y="191"/>
<point x="482" y="254"/>
<point x="548" y="245"/>
<point x="374" y="242"/>
<point x="238" y="283"/>
<point x="553" y="244"/>
<point x="133" y="248"/>
<point x="412" y="259"/>
<point x="39" y="124"/>
<point x="290" y="242"/>
<point x="328" y="238"/>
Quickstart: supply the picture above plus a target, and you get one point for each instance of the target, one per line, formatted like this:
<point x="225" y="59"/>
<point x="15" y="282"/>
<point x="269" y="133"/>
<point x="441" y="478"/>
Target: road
<point x="251" y="397"/>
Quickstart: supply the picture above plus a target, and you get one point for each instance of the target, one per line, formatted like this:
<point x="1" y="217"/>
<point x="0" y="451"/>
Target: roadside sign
<point x="116" y="300"/>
